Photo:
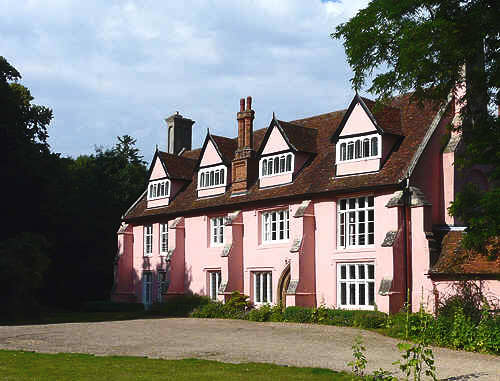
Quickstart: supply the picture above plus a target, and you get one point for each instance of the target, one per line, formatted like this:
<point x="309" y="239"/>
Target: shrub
<point x="210" y="310"/>
<point x="109" y="306"/>
<point x="262" y="313"/>
<point x="298" y="314"/>
<point x="369" y="319"/>
<point x="179" y="306"/>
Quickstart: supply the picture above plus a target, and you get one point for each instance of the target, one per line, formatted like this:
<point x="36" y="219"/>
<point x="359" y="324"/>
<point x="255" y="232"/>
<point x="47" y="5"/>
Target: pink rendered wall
<point x="275" y="143"/>
<point x="328" y="256"/>
<point x="210" y="156"/>
<point x="158" y="172"/>
<point x="428" y="174"/>
<point x="275" y="180"/>
<point x="448" y="185"/>
<point x="177" y="271"/>
<point x="124" y="288"/>
<point x="360" y="166"/>
<point x="443" y="289"/>
<point x="199" y="256"/>
<point x="158" y="202"/>
<point x="358" y="122"/>
<point x="211" y="191"/>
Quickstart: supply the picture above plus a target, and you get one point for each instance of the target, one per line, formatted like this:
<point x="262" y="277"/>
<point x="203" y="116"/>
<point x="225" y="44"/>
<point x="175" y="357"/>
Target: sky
<point x="110" y="68"/>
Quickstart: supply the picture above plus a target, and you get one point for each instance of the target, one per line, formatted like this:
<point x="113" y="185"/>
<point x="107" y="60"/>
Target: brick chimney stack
<point x="242" y="163"/>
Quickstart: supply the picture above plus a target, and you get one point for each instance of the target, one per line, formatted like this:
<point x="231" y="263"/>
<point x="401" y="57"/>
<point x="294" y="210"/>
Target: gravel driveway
<point x="236" y="341"/>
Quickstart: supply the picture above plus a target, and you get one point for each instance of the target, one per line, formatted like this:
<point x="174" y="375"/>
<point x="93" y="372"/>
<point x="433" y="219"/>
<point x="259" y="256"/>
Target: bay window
<point x="276" y="164"/>
<point x="148" y="240"/>
<point x="355" y="222"/>
<point x="263" y="287"/>
<point x="212" y="177"/>
<point x="356" y="285"/>
<point x="275" y="226"/>
<point x="358" y="148"/>
<point x="216" y="231"/>
<point x="214" y="283"/>
<point x="158" y="189"/>
<point x="163" y="239"/>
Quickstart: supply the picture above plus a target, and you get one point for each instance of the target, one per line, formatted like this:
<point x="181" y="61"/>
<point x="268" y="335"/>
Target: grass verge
<point x="18" y="365"/>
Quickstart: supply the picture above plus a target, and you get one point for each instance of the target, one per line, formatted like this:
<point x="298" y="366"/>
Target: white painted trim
<point x="144" y="235"/>
<point x="347" y="247"/>
<point x="212" y="220"/>
<point x="263" y="225"/>
<point x="163" y="253"/>
<point x="212" y="169"/>
<point x="272" y="157"/>
<point x="155" y="183"/>
<point x="353" y="140"/>
<point x="356" y="281"/>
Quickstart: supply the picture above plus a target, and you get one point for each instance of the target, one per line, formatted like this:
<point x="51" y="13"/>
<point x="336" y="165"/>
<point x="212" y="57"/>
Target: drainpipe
<point x="407" y="243"/>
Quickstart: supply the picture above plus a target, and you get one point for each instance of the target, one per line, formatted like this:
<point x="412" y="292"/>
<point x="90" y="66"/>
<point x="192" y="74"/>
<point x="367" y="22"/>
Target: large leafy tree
<point x="432" y="48"/>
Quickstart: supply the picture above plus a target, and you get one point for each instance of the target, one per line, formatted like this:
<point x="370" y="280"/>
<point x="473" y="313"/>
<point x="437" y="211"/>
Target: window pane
<point x="212" y="175"/>
<point x="361" y="271"/>
<point x="276" y="165"/>
<point x="352" y="294"/>
<point x="370" y="201"/>
<point x="282" y="164"/>
<point x="264" y="287"/>
<point x="289" y="163"/>
<point x="361" y="202"/>
<point x="343" y="293"/>
<point x="371" y="293"/>
<point x="343" y="272"/>
<point x="216" y="177"/>
<point x="366" y="148"/>
<point x="374" y="146"/>
<point x="352" y="203"/>
<point x="222" y="176"/>
<point x="202" y="181"/>
<point x="352" y="271"/>
<point x="264" y="168"/>
<point x="361" y="294"/>
<point x="371" y="272"/>
<point x="358" y="149"/>
<point x="270" y="286"/>
<point x="213" y="283"/>
<point x="350" y="151"/>
<point x="343" y="151"/>
<point x="257" y="288"/>
<point x="343" y="204"/>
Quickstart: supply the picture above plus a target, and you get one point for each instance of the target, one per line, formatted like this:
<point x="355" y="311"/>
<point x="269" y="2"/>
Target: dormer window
<point x="158" y="189"/>
<point x="212" y="177"/>
<point x="359" y="148"/>
<point x="276" y="165"/>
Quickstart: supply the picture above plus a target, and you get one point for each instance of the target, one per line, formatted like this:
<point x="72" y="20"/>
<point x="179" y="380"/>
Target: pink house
<point x="346" y="209"/>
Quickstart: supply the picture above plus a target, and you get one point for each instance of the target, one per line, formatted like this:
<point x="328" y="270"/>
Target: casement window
<point x="275" y="226"/>
<point x="276" y="164"/>
<point x="148" y="240"/>
<point x="214" y="280"/>
<point x="262" y="287"/>
<point x="216" y="231"/>
<point x="212" y="177"/>
<point x="363" y="147"/>
<point x="356" y="285"/>
<point x="163" y="239"/>
<point x="158" y="189"/>
<point x="147" y="288"/>
<point x="162" y="285"/>
<point x="355" y="222"/>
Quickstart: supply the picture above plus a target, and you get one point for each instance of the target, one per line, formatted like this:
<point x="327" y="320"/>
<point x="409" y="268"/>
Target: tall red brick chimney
<point x="242" y="163"/>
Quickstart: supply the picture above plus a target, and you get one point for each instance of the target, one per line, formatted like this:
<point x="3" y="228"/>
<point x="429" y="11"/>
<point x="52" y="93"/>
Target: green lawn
<point x="17" y="365"/>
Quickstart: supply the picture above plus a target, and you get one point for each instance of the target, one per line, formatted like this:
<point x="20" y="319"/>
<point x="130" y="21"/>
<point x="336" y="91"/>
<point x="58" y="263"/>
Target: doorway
<point x="283" y="284"/>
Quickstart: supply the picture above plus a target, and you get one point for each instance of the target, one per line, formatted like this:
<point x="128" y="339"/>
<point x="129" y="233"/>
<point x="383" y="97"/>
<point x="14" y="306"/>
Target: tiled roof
<point x="456" y="260"/>
<point x="226" y="146"/>
<point x="178" y="167"/>
<point x="388" y="118"/>
<point x="317" y="177"/>
<point x="302" y="138"/>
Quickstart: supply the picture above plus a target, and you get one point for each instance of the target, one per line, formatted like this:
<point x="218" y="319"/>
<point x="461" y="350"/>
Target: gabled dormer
<point x="213" y="174"/>
<point x="168" y="174"/>
<point x="284" y="151"/>
<point x="365" y="138"/>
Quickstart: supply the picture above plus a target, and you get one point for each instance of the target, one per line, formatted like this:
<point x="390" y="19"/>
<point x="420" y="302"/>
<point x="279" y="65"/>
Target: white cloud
<point x="112" y="68"/>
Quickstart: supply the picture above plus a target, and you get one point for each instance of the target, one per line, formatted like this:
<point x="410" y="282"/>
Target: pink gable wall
<point x="275" y="143"/>
<point x="360" y="166"/>
<point x="210" y="156"/>
<point x="358" y="122"/>
<point x="158" y="172"/>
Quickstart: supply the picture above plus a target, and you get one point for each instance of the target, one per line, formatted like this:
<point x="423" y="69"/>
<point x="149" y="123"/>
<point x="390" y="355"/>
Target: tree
<point x="433" y="48"/>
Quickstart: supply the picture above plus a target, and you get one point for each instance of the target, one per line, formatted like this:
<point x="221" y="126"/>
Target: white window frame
<point x="147" y="288"/>
<point x="356" y="284"/>
<point x="214" y="275"/>
<point x="262" y="287"/>
<point x="280" y="157"/>
<point x="158" y="189"/>
<point x="269" y="226"/>
<point x="162" y="285"/>
<point x="163" y="239"/>
<point x="352" y="140"/>
<point x="148" y="240"/>
<point x="216" y="231"/>
<point x="208" y="171"/>
<point x="348" y="230"/>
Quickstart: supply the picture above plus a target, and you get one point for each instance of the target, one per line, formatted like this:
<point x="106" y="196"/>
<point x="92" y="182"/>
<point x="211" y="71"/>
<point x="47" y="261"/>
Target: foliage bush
<point x="235" y="308"/>
<point x="109" y="306"/>
<point x="179" y="306"/>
